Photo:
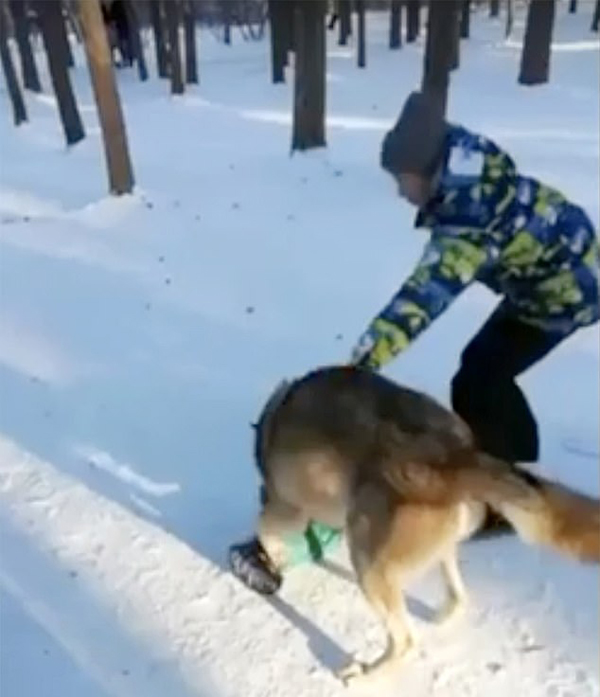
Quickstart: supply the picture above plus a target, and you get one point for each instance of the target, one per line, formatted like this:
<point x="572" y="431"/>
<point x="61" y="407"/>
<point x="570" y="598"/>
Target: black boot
<point x="251" y="564"/>
<point x="494" y="525"/>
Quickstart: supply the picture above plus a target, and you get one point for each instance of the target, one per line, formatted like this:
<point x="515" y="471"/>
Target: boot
<point x="494" y="525"/>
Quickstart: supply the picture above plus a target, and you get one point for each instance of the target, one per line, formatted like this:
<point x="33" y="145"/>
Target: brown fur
<point x="561" y="518"/>
<point x="401" y="474"/>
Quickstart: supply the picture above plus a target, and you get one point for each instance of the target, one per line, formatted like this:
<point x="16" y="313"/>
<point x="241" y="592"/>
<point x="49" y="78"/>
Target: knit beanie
<point x="416" y="142"/>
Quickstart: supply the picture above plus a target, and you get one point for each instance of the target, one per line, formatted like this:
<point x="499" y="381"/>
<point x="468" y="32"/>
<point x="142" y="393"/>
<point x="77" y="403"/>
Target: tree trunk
<point x="289" y="27"/>
<point x="535" y="58"/>
<point x="191" y="60"/>
<point x="63" y="36"/>
<point x="51" y="21"/>
<point x="29" y="71"/>
<point x="455" y="57"/>
<point x="596" y="18"/>
<point x="309" y="79"/>
<point x="362" y="38"/>
<point x="345" y="12"/>
<point x="278" y="19"/>
<point x="413" y="20"/>
<point x="73" y="22"/>
<point x="396" y="24"/>
<point x="158" y="29"/>
<point x="120" y="173"/>
<point x="573" y="6"/>
<point x="135" y="39"/>
<point x="172" y="9"/>
<point x="10" y="75"/>
<point x="494" y="8"/>
<point x="465" y="19"/>
<point x="510" y="18"/>
<point x="333" y="21"/>
<point x="440" y="49"/>
<point x="226" y="10"/>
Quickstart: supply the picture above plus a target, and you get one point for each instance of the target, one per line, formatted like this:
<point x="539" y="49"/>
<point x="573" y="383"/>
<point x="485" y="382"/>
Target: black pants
<point x="484" y="391"/>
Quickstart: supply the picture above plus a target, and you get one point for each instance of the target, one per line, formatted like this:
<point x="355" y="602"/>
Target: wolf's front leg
<point x="455" y="587"/>
<point x="389" y="602"/>
<point x="277" y="522"/>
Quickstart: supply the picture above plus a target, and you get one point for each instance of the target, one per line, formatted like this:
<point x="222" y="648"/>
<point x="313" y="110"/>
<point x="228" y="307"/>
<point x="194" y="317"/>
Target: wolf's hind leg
<point x="457" y="593"/>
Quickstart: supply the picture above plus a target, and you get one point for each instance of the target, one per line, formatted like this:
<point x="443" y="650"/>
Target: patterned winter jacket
<point x="488" y="223"/>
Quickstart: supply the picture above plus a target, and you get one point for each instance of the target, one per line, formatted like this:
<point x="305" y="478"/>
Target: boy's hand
<point x="362" y="351"/>
<point x="382" y="341"/>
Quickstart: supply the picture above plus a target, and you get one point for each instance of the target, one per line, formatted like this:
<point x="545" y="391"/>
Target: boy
<point x="515" y="235"/>
<point x="488" y="223"/>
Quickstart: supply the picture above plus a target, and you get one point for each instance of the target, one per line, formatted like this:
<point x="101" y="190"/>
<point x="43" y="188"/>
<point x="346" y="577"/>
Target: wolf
<point x="402" y="476"/>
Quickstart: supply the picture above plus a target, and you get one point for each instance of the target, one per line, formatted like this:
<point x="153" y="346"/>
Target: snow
<point x="140" y="336"/>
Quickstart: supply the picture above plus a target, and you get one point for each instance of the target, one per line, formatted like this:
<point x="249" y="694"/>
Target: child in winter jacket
<point x="488" y="223"/>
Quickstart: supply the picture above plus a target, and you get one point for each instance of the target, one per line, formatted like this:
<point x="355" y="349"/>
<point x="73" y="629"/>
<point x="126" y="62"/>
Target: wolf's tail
<point x="542" y="512"/>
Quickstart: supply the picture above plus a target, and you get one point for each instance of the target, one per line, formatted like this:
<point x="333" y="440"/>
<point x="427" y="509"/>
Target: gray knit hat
<point x="415" y="144"/>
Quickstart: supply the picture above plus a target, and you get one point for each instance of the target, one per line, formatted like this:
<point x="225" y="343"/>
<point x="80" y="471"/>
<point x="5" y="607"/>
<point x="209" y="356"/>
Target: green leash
<point x="310" y="546"/>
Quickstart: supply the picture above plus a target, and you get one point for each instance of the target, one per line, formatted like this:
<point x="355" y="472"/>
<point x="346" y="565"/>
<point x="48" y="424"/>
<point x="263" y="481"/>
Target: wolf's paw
<point x="352" y="672"/>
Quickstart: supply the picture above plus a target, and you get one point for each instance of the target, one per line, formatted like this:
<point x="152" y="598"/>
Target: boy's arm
<point x="449" y="264"/>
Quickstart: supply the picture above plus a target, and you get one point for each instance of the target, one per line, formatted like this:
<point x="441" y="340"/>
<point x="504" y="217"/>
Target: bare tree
<point x="226" y="9"/>
<point x="135" y="39"/>
<point x="29" y="71"/>
<point x="120" y="172"/>
<point x="72" y="21"/>
<point x="51" y="21"/>
<point x="465" y="19"/>
<point x="14" y="89"/>
<point x="455" y="28"/>
<point x="189" y="26"/>
<point x="309" y="79"/>
<point x="413" y="20"/>
<point x="494" y="8"/>
<point x="396" y="24"/>
<point x="535" y="58"/>
<point x="440" y="49"/>
<point x="62" y="36"/>
<point x="172" y="8"/>
<point x="334" y="18"/>
<point x="596" y="18"/>
<point x="510" y="18"/>
<point x="345" y="13"/>
<point x="278" y="19"/>
<point x="290" y="28"/>
<point x="158" y="28"/>
<point x="362" y="31"/>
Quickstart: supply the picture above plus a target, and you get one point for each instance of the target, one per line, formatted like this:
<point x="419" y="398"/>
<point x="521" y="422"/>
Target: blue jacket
<point x="488" y="223"/>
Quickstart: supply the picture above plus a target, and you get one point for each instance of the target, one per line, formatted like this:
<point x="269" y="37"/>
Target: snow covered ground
<point x="140" y="336"/>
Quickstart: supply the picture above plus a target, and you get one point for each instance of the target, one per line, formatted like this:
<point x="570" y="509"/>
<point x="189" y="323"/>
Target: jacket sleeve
<point x="449" y="264"/>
